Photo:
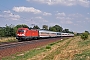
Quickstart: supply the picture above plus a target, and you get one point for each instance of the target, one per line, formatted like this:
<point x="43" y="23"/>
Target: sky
<point x="69" y="14"/>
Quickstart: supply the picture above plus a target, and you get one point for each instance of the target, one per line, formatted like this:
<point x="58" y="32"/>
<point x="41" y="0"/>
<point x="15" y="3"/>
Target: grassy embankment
<point x="7" y="39"/>
<point x="69" y="49"/>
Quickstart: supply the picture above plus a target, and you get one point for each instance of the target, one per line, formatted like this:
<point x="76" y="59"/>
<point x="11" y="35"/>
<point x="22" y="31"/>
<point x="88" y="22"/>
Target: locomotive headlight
<point x="23" y="34"/>
<point x="17" y="34"/>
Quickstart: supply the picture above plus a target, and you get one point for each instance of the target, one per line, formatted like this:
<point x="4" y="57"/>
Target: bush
<point x="84" y="36"/>
<point x="48" y="47"/>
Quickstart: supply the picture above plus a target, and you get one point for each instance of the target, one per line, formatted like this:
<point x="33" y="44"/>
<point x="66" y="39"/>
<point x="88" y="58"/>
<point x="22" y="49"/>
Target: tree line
<point x="10" y="30"/>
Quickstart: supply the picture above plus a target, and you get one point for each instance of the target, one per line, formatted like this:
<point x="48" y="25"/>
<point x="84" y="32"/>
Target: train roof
<point x="44" y="31"/>
<point x="48" y="31"/>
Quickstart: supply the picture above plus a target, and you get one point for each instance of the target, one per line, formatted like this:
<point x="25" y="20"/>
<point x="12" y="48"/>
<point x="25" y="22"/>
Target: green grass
<point x="48" y="47"/>
<point x="84" y="43"/>
<point x="85" y="55"/>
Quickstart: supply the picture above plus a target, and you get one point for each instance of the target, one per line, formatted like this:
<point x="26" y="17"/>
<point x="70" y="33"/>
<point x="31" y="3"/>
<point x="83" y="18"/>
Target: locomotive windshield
<point x="21" y="30"/>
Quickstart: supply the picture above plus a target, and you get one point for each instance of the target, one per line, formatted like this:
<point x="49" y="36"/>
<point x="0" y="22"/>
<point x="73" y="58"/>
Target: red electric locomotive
<point x="26" y="34"/>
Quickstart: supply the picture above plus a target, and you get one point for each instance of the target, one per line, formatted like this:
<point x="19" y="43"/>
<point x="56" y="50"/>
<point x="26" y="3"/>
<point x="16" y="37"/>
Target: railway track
<point x="12" y="48"/>
<point x="15" y="44"/>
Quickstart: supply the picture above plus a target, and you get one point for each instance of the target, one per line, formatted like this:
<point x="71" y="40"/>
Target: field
<point x="73" y="48"/>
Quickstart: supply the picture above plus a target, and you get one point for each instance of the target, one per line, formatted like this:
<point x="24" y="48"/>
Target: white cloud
<point x="85" y="3"/>
<point x="69" y="22"/>
<point x="31" y="10"/>
<point x="64" y="18"/>
<point x="88" y="19"/>
<point x="76" y="24"/>
<point x="7" y="12"/>
<point x="60" y="14"/>
<point x="45" y="20"/>
<point x="75" y="15"/>
<point x="46" y="14"/>
<point x="27" y="9"/>
<point x="1" y="16"/>
<point x="9" y="15"/>
<point x="27" y="0"/>
<point x="66" y="22"/>
<point x="14" y="17"/>
<point x="39" y="17"/>
<point x="88" y="13"/>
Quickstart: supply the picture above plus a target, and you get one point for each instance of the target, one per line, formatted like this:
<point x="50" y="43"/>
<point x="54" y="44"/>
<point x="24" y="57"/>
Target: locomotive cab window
<point x="21" y="31"/>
